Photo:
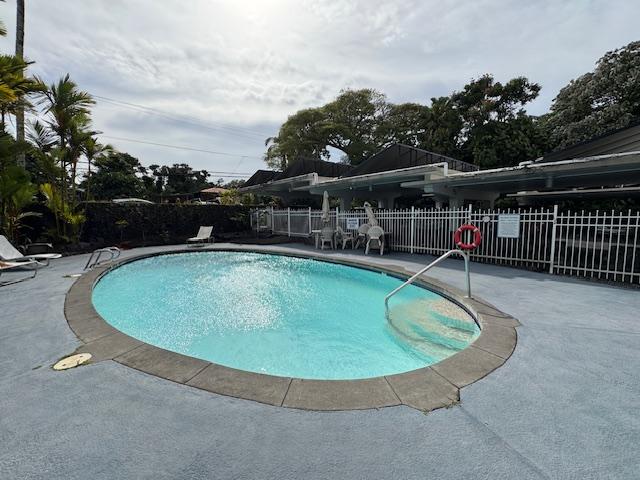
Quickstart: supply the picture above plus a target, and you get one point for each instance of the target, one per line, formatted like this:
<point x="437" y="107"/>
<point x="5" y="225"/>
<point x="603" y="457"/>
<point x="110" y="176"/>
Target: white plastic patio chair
<point x="326" y="236"/>
<point x="361" y="239"/>
<point x="376" y="239"/>
<point x="10" y="253"/>
<point x="204" y="236"/>
<point x="344" y="237"/>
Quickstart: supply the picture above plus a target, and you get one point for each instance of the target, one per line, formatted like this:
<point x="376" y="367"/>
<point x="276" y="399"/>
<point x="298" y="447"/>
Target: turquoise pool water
<point x="281" y="315"/>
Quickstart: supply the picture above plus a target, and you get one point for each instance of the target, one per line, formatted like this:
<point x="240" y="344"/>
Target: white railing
<point x="600" y="245"/>
<point x="414" y="277"/>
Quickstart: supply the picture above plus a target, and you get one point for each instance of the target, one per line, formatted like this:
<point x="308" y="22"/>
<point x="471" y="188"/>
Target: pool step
<point x="437" y="328"/>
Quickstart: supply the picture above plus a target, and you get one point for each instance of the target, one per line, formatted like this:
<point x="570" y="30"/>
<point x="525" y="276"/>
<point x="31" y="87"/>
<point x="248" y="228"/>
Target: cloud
<point x="240" y="68"/>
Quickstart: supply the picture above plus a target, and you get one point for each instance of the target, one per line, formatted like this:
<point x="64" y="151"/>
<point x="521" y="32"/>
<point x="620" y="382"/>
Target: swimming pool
<point x="281" y="315"/>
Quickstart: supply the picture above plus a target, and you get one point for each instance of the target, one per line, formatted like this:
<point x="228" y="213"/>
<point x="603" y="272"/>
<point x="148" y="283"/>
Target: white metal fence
<point x="602" y="245"/>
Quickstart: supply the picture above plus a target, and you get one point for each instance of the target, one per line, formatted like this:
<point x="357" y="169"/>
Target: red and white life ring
<point x="477" y="237"/>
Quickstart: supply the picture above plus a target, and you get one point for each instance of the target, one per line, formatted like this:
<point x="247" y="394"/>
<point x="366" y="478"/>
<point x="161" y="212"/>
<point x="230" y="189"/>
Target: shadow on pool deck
<point x="564" y="406"/>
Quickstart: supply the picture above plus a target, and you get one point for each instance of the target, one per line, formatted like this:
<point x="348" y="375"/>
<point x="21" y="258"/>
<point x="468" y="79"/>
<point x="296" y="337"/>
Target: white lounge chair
<point x="6" y="266"/>
<point x="344" y="237"/>
<point x="326" y="236"/>
<point x="361" y="239"/>
<point x="204" y="236"/>
<point x="376" y="239"/>
<point x="9" y="253"/>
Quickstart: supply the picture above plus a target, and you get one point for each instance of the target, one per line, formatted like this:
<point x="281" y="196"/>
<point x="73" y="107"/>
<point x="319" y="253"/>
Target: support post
<point x="272" y="222"/>
<point x="552" y="257"/>
<point x="467" y="271"/>
<point x="309" y="221"/>
<point x="413" y="227"/>
<point x="289" y="221"/>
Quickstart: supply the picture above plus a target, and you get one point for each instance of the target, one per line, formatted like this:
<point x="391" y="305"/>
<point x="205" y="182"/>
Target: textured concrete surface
<point x="565" y="405"/>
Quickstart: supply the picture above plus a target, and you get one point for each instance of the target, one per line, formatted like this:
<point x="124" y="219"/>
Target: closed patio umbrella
<point x="326" y="219"/>
<point x="373" y="221"/>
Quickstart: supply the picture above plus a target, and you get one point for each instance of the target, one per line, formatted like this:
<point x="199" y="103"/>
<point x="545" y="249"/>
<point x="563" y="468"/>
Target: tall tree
<point x="116" y="177"/>
<point x="355" y="122"/>
<point x="14" y="87"/>
<point x="597" y="102"/>
<point x="443" y="128"/>
<point x="352" y="123"/>
<point x="68" y="111"/>
<point x="20" y="55"/>
<point x="496" y="130"/>
<point x="93" y="150"/>
<point x="302" y="135"/>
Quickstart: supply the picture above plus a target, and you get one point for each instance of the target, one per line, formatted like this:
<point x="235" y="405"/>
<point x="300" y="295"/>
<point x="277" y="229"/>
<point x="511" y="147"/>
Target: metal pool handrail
<point x="91" y="262"/>
<point x="465" y="255"/>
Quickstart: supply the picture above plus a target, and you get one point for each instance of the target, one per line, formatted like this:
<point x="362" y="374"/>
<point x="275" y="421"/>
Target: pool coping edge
<point x="425" y="389"/>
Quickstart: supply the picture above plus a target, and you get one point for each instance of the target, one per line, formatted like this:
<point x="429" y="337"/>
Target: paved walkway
<point x="564" y="406"/>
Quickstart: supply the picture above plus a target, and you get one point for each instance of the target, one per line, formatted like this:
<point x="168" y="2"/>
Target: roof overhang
<point x="285" y="185"/>
<point x="602" y="170"/>
<point x="615" y="192"/>
<point x="386" y="179"/>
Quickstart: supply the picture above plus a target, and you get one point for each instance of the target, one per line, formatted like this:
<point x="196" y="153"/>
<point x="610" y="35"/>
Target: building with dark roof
<point x="607" y="165"/>
<point x="622" y="140"/>
<point x="398" y="156"/>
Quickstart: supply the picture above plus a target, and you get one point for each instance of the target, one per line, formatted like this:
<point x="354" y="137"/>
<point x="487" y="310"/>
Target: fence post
<point x="552" y="257"/>
<point x="337" y="213"/>
<point x="413" y="227"/>
<point x="289" y="221"/>
<point x="470" y="207"/>
<point x="273" y="224"/>
<point x="309" y="220"/>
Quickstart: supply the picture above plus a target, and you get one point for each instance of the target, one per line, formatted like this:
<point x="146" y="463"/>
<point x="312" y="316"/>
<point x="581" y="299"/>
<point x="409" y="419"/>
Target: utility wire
<point x="216" y="126"/>
<point x="178" y="147"/>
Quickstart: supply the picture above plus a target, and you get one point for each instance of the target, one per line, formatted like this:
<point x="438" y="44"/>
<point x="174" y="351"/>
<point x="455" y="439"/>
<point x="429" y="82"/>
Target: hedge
<point x="108" y="222"/>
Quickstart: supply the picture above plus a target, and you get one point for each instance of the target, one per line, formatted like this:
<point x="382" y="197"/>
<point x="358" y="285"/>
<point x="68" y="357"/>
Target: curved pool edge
<point x="425" y="389"/>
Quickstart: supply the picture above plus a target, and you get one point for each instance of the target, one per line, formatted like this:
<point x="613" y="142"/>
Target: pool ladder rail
<point x="413" y="278"/>
<point x="94" y="259"/>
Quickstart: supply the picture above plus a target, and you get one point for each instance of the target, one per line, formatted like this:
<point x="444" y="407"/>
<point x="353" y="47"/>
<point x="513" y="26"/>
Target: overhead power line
<point x="179" y="147"/>
<point x="215" y="126"/>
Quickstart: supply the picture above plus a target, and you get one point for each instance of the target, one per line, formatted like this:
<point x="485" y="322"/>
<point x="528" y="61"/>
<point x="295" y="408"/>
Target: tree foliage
<point x="116" y="177"/>
<point x="485" y="122"/>
<point x="597" y="102"/>
<point x="496" y="131"/>
<point x="16" y="193"/>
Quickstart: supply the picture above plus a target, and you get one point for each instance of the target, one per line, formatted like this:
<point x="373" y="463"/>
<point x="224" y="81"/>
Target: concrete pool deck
<point x="565" y="405"/>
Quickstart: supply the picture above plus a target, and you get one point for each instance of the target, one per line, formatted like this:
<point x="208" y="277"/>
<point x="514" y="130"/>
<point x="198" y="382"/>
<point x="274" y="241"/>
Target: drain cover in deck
<point x="72" y="361"/>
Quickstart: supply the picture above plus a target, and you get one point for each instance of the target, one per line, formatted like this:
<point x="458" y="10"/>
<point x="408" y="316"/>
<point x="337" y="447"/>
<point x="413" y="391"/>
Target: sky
<point x="222" y="76"/>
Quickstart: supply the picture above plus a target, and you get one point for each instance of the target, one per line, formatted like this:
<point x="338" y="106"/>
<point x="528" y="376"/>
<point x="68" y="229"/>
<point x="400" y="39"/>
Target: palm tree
<point x="15" y="87"/>
<point x="68" y="112"/>
<point x="3" y="29"/>
<point x="94" y="150"/>
<point x="64" y="102"/>
<point x="20" y="55"/>
<point x="79" y="135"/>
